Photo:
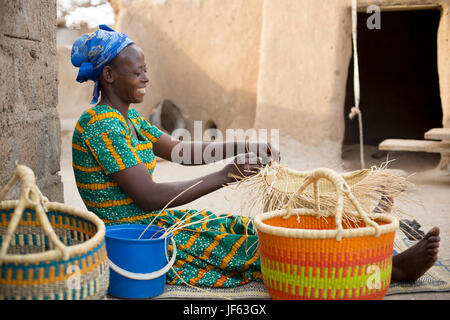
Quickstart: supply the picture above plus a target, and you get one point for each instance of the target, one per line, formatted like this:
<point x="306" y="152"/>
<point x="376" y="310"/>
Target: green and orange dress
<point x="214" y="253"/>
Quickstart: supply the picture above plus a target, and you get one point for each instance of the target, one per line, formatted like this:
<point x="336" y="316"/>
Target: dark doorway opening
<point x="399" y="82"/>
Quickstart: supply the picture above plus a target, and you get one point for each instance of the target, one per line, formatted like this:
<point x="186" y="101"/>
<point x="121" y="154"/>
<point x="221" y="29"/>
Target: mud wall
<point x="29" y="122"/>
<point x="202" y="55"/>
<point x="260" y="64"/>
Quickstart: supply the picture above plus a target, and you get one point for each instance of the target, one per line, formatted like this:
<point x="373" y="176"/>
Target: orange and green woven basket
<point x="307" y="254"/>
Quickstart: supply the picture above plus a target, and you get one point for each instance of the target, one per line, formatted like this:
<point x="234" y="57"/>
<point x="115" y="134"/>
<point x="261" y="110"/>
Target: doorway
<point x="399" y="83"/>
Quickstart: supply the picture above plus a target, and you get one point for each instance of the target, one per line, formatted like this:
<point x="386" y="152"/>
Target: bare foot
<point x="412" y="263"/>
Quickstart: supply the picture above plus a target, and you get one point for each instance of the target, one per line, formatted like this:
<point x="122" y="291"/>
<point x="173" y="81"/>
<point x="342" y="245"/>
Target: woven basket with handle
<point x="309" y="254"/>
<point x="49" y="251"/>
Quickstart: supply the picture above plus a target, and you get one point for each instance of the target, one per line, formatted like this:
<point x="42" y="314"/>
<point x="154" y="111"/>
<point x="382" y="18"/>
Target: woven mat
<point x="437" y="279"/>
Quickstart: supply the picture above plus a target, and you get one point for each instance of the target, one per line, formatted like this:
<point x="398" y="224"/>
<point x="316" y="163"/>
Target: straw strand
<point x="162" y="210"/>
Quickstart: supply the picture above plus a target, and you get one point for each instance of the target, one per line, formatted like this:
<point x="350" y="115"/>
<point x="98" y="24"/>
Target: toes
<point x="432" y="255"/>
<point x="434" y="232"/>
<point x="433" y="258"/>
<point x="433" y="245"/>
<point x="433" y="250"/>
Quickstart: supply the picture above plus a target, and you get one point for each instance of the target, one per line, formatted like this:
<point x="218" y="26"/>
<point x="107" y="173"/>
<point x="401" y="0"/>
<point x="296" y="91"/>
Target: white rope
<point x="356" y="89"/>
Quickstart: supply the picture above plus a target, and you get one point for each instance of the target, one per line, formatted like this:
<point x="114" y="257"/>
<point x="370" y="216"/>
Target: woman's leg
<point x="412" y="263"/>
<point x="218" y="251"/>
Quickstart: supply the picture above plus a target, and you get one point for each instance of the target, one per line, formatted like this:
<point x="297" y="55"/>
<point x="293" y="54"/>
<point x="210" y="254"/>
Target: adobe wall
<point x="73" y="97"/>
<point x="304" y="55"/>
<point x="29" y="122"/>
<point x="263" y="64"/>
<point x="202" y="55"/>
<point x="245" y="64"/>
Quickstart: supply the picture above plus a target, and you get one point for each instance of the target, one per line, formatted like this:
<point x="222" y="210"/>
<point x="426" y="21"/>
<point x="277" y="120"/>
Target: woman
<point x="114" y="152"/>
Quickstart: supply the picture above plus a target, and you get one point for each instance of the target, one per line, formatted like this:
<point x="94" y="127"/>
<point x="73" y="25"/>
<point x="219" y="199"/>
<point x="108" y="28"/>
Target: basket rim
<point x="391" y="226"/>
<point x="55" y="254"/>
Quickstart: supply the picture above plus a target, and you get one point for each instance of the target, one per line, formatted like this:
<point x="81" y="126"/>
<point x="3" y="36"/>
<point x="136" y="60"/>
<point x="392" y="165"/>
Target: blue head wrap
<point x="91" y="52"/>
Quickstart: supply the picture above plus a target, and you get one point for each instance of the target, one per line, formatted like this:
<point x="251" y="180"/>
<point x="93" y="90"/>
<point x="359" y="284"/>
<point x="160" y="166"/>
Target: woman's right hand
<point x="243" y="165"/>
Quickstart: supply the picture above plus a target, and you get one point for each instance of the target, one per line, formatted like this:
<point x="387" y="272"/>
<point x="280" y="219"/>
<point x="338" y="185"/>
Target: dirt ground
<point x="433" y="189"/>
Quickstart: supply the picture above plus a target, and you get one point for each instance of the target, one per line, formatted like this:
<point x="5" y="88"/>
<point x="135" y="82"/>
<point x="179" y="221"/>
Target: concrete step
<point x="438" y="134"/>
<point x="414" y="145"/>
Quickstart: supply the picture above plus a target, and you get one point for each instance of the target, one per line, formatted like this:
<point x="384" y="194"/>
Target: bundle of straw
<point x="274" y="185"/>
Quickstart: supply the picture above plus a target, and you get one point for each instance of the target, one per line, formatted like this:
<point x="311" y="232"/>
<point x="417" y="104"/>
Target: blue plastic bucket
<point x="138" y="267"/>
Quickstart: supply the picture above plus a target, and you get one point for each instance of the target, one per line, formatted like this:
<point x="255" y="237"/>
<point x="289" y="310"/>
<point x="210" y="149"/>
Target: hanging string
<point x="355" y="110"/>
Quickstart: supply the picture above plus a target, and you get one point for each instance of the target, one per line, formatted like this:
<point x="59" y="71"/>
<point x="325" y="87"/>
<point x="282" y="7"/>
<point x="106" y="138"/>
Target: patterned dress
<point x="215" y="252"/>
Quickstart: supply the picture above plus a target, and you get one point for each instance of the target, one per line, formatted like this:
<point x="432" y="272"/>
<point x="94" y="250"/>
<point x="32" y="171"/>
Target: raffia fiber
<point x="376" y="189"/>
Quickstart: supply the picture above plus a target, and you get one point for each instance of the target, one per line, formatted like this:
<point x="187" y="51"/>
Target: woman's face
<point x="130" y="74"/>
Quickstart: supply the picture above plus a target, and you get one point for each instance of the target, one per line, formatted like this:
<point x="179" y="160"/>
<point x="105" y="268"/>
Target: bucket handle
<point x="145" y="276"/>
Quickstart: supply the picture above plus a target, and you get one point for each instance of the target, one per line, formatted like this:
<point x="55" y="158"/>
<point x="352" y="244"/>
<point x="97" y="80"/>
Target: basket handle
<point x="342" y="188"/>
<point x="30" y="197"/>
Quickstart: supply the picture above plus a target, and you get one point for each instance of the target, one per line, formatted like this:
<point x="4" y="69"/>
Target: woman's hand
<point x="243" y="165"/>
<point x="265" y="151"/>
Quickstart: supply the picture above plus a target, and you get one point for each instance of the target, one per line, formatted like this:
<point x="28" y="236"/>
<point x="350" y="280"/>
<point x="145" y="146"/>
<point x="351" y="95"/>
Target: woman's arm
<point x="149" y="195"/>
<point x="203" y="152"/>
